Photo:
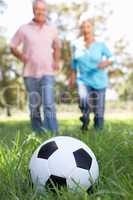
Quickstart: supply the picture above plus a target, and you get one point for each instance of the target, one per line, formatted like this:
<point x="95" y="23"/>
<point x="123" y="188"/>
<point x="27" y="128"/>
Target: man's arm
<point x="56" y="55"/>
<point x="16" y="41"/>
<point x="18" y="54"/>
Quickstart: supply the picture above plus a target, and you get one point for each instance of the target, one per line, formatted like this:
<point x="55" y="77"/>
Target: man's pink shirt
<point x="37" y="46"/>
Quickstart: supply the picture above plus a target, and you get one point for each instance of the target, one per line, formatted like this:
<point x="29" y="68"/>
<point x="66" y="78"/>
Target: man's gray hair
<point x="35" y="1"/>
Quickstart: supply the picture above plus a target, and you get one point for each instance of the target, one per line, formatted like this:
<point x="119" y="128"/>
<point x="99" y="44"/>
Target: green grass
<point x="113" y="148"/>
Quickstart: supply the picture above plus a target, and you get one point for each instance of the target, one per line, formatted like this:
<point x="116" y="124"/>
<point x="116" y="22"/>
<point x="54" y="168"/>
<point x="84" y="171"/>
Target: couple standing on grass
<point x="41" y="54"/>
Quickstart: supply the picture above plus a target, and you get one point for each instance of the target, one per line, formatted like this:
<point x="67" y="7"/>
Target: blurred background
<point x="112" y="24"/>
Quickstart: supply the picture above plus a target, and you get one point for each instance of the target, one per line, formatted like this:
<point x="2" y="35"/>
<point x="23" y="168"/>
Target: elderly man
<point x="40" y="54"/>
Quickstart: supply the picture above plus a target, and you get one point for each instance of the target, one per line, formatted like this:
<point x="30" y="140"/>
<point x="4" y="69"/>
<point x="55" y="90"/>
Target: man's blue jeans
<point x="41" y="92"/>
<point x="92" y="100"/>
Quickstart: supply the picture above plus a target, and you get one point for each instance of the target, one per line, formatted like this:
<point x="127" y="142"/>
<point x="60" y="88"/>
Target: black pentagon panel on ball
<point x="82" y="159"/>
<point x="47" y="150"/>
<point x="55" y="181"/>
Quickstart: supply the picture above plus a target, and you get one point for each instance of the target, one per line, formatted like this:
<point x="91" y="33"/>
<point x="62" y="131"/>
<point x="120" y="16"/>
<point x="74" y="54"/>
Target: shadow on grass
<point x="9" y="129"/>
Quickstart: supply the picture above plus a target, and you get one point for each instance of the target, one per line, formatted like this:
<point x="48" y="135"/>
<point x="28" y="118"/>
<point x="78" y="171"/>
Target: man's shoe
<point x="39" y="130"/>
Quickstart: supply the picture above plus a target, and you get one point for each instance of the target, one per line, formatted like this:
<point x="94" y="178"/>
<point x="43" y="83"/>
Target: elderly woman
<point x="90" y="59"/>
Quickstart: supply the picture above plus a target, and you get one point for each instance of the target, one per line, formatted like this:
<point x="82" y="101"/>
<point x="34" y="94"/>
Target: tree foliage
<point x="122" y="74"/>
<point x="11" y="88"/>
<point x="66" y="16"/>
<point x="3" y="6"/>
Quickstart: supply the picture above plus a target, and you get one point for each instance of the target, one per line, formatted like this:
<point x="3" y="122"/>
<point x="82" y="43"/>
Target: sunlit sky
<point x="120" y="24"/>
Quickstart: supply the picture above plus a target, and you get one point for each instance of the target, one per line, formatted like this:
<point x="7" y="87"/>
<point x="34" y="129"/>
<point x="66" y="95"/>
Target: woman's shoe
<point x="85" y="122"/>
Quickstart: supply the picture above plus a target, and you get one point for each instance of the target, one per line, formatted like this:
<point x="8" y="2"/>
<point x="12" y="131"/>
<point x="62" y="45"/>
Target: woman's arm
<point x="109" y="57"/>
<point x="105" y="63"/>
<point x="72" y="79"/>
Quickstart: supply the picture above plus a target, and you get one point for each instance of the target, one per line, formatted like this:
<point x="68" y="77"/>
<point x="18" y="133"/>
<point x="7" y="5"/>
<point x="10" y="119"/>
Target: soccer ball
<point x="63" y="161"/>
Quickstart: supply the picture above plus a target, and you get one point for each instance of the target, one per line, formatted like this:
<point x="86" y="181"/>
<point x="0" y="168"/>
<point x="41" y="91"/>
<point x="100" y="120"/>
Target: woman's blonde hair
<point x="90" y="20"/>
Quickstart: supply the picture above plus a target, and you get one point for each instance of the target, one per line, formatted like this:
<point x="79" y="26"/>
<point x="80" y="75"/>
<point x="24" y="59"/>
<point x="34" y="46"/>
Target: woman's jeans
<point x="92" y="100"/>
<point x="41" y="92"/>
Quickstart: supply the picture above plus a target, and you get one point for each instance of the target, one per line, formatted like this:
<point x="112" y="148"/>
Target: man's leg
<point x="34" y="98"/>
<point x="99" y="107"/>
<point x="84" y="105"/>
<point x="48" y="102"/>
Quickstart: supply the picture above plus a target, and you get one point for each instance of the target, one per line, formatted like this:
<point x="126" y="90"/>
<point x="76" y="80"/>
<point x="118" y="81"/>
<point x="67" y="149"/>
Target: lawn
<point x="113" y="148"/>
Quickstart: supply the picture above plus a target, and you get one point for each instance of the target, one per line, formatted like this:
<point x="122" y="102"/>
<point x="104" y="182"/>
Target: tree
<point x="122" y="73"/>
<point x="126" y="89"/>
<point x="3" y="6"/>
<point x="10" y="82"/>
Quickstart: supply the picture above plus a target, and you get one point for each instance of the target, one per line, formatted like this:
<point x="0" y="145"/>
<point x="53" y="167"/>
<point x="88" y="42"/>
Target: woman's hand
<point x="104" y="64"/>
<point x="71" y="83"/>
<point x="72" y="80"/>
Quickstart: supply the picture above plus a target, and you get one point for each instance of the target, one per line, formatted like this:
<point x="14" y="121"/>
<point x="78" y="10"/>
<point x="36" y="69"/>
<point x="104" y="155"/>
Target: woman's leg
<point x="84" y="105"/>
<point x="99" y="107"/>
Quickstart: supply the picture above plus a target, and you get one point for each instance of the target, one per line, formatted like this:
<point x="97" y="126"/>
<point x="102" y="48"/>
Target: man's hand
<point x="19" y="55"/>
<point x="23" y="58"/>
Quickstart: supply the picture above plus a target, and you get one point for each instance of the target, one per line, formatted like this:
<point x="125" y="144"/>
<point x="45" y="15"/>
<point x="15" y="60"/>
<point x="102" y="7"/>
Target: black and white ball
<point x="63" y="161"/>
